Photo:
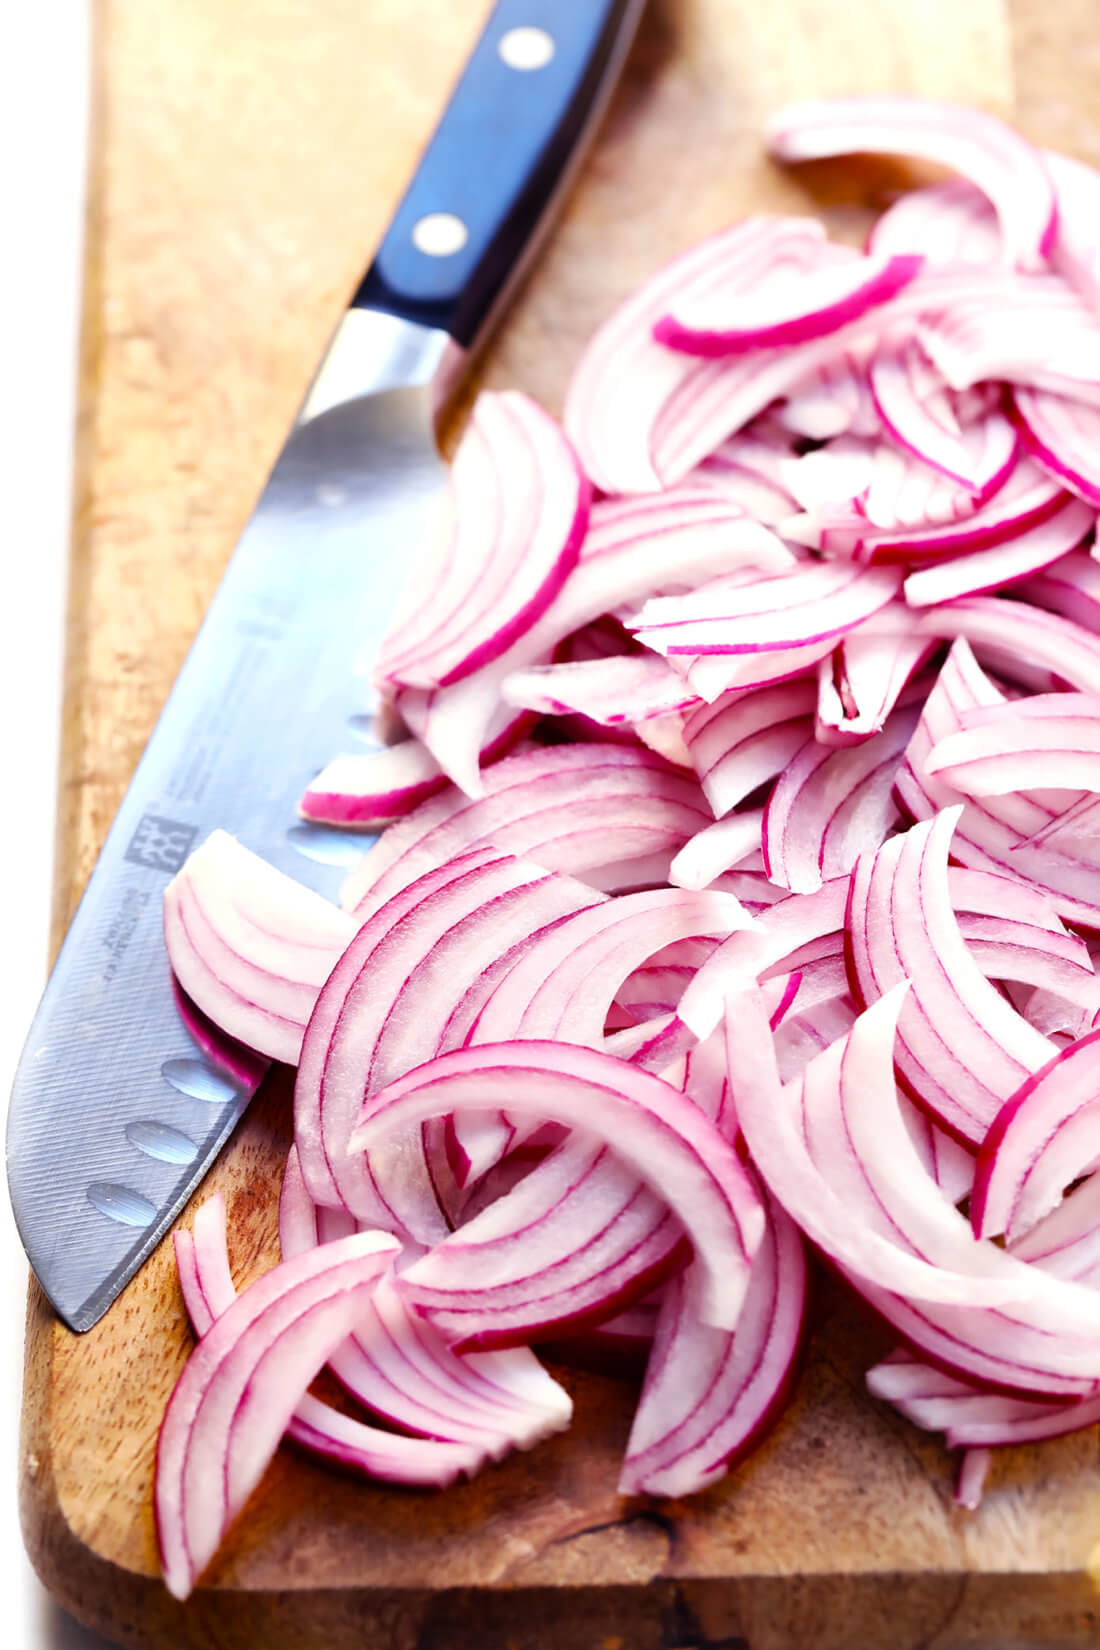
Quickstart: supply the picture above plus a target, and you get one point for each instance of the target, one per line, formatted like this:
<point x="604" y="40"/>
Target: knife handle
<point x="537" y="79"/>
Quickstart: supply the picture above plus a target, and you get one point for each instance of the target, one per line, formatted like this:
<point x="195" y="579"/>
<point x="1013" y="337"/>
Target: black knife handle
<point x="495" y="160"/>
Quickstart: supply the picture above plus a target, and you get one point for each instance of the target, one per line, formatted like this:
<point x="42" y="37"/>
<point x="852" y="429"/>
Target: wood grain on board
<point x="245" y="160"/>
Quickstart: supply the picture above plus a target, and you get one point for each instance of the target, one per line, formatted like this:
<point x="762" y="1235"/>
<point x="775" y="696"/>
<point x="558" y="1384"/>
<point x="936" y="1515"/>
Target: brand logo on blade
<point x="161" y="844"/>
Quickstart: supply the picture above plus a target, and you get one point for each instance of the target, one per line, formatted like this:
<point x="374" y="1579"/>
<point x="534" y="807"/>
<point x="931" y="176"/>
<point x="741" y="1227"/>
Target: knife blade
<point x="125" y="1095"/>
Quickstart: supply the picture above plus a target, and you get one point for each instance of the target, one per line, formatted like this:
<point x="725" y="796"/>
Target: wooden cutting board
<point x="246" y="156"/>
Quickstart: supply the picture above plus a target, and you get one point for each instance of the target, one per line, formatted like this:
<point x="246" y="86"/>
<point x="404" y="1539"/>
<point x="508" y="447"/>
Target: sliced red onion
<point x="251" y="946"/>
<point x="917" y="409"/>
<point x="385" y="1009"/>
<point x="209" y="1291"/>
<point x="962" y="1049"/>
<point x="1026" y="329"/>
<point x="1044" y="1137"/>
<point x="571" y="808"/>
<point x="1002" y="564"/>
<point x="830" y="805"/>
<point x="403" y="1369"/>
<point x="716" y="848"/>
<point x="520" y="505"/>
<point x="982" y="149"/>
<point x="625" y="689"/>
<point x="1071" y="587"/>
<point x="657" y="1131"/>
<point x="748" y="468"/>
<point x="240" y="1387"/>
<point x="950" y="223"/>
<point x="709" y="1394"/>
<point x="860" y="682"/>
<point x="624" y="377"/>
<point x="373" y="787"/>
<point x="1026" y="499"/>
<point x="1061" y="435"/>
<point x="577" y="1241"/>
<point x="970" y="1415"/>
<point x="1023" y="639"/>
<point x="865" y="1200"/>
<point x="1049" y="741"/>
<point x="994" y="834"/>
<point x="808" y="604"/>
<point x="1076" y="250"/>
<point x="634" y="546"/>
<point x="795" y="310"/>
<point x="832" y="398"/>
<point x="742" y="740"/>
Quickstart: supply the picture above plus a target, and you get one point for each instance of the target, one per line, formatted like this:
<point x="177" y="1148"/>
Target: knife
<point x="124" y="1094"/>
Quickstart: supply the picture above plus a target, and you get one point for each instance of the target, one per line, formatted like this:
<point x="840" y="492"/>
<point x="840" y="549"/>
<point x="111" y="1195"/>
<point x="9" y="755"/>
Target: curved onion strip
<point x="1002" y="564"/>
<point x="209" y="1291"/>
<point x="240" y="1387"/>
<point x="249" y="945"/>
<point x="1028" y="498"/>
<point x="915" y="406"/>
<point x="1071" y="587"/>
<point x="1049" y="741"/>
<point x="1062" y="436"/>
<point x="626" y="688"/>
<point x="806" y="605"/>
<point x="983" y="150"/>
<point x="962" y="1049"/>
<point x="384" y="1009"/>
<point x="788" y="311"/>
<point x="716" y="848"/>
<point x="1044" y="1137"/>
<point x="569" y="807"/>
<point x="401" y="1367"/>
<point x="654" y="1128"/>
<point x="741" y="740"/>
<point x="923" y="1245"/>
<point x="580" y="1239"/>
<point x="375" y="786"/>
<point x="951" y="223"/>
<point x="624" y="377"/>
<point x="864" y="677"/>
<point x="634" y="547"/>
<point x="709" y="1395"/>
<point x="748" y="468"/>
<point x="971" y="1415"/>
<point x="830" y="805"/>
<point x="832" y="399"/>
<point x="520" y="505"/>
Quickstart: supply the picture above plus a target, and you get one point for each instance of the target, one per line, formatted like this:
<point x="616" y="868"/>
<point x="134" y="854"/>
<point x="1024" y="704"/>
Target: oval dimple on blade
<point x="161" y="1141"/>
<point x="121" y="1203"/>
<point x="194" y="1078"/>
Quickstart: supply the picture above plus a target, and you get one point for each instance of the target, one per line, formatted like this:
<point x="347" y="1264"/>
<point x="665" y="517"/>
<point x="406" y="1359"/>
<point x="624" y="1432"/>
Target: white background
<point x="43" y="121"/>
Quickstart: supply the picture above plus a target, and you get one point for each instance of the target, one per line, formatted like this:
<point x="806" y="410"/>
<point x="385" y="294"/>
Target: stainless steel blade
<point x="118" y="1107"/>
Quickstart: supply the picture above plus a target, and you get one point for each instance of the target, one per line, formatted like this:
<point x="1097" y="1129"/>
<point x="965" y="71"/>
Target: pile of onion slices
<point x="739" y="892"/>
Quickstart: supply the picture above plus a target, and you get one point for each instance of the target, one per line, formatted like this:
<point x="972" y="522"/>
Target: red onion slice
<point x="570" y="808"/>
<point x="520" y="505"/>
<point x="1049" y="741"/>
<point x="950" y="223"/>
<point x="830" y="805"/>
<point x="1028" y="498"/>
<point x="962" y="1050"/>
<point x="578" y="1240"/>
<point x="859" y="684"/>
<point x="982" y="149"/>
<point x="867" y="1167"/>
<point x="209" y="1291"/>
<point x="716" y="848"/>
<point x="664" y="1138"/>
<point x="634" y="546"/>
<point x="806" y="605"/>
<point x="742" y="740"/>
<point x="710" y="1395"/>
<point x="1076" y="250"/>
<point x="402" y="1368"/>
<point x="385" y="1009"/>
<point x="251" y="946"/>
<point x="1002" y="564"/>
<point x="624" y="378"/>
<point x="626" y="688"/>
<point x="796" y="310"/>
<point x="1044" y="1137"/>
<point x="1061" y="435"/>
<point x="240" y="1387"/>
